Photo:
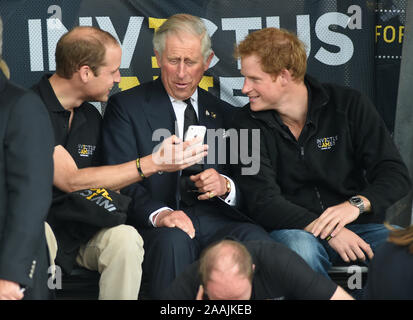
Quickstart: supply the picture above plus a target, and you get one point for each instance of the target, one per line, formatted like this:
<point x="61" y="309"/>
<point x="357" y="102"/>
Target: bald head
<point x="82" y="46"/>
<point x="226" y="271"/>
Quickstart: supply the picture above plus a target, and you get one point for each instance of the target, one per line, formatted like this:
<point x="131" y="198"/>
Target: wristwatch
<point x="357" y="202"/>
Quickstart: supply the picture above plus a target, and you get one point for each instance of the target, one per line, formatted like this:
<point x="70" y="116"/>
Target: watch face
<point x="356" y="200"/>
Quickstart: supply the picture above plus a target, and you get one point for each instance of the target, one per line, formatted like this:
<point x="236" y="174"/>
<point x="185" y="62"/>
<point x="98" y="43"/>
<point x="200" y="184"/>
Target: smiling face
<point x="100" y="85"/>
<point x="182" y="64"/>
<point x="264" y="90"/>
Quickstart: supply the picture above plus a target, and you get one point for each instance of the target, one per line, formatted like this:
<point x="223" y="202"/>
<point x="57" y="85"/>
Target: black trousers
<point x="168" y="251"/>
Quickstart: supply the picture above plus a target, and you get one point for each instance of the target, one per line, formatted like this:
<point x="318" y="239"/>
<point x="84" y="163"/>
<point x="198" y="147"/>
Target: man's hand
<point x="10" y="290"/>
<point x="332" y="220"/>
<point x="174" y="155"/>
<point x="210" y="183"/>
<point x="350" y="246"/>
<point x="175" y="219"/>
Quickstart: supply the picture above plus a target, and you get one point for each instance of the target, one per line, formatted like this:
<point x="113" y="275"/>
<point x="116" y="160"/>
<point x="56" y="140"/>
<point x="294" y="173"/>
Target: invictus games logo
<point x="85" y="150"/>
<point x="327" y="143"/>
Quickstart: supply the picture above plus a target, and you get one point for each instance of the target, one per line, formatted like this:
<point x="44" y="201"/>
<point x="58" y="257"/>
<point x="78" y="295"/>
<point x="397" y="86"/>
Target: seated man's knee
<point x="300" y="241"/>
<point x="126" y="239"/>
<point x="171" y="238"/>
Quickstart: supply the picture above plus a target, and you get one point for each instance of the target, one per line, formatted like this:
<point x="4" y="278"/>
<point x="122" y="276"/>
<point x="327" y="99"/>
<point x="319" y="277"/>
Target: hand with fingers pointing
<point x="210" y="184"/>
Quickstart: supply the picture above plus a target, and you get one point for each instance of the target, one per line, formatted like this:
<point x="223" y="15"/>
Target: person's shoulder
<point x="243" y="117"/>
<point x="211" y="99"/>
<point x="341" y="93"/>
<point x="141" y="90"/>
<point x="11" y="92"/>
<point x="90" y="111"/>
<point x="27" y="100"/>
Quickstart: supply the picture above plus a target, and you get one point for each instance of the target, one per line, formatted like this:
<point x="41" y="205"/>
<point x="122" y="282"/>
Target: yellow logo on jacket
<point x="85" y="150"/>
<point x="327" y="143"/>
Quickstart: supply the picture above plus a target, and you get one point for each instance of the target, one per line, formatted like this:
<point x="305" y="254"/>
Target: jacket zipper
<point x="317" y="192"/>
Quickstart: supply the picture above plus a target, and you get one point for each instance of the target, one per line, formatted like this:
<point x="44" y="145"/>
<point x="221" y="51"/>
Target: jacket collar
<point x="159" y="110"/>
<point x="158" y="107"/>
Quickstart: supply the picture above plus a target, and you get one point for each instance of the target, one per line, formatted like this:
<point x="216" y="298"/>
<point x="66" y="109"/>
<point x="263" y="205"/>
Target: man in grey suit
<point x="26" y="177"/>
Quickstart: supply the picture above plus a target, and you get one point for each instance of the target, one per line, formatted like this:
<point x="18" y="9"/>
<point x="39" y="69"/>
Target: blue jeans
<point x="318" y="254"/>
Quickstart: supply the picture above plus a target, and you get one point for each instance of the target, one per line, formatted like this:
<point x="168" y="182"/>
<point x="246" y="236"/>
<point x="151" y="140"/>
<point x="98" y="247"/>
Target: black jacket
<point x="343" y="150"/>
<point x="26" y="178"/>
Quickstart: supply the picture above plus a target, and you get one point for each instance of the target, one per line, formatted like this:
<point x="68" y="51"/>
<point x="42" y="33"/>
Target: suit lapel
<point x="209" y="118"/>
<point x="159" y="114"/>
<point x="206" y="114"/>
<point x="158" y="109"/>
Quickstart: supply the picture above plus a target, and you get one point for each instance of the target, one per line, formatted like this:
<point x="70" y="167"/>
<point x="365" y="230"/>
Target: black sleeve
<point x="303" y="283"/>
<point x="256" y="176"/>
<point x="185" y="286"/>
<point x="387" y="175"/>
<point x="29" y="179"/>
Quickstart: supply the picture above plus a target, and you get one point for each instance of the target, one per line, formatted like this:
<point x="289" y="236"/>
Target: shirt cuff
<point x="231" y="199"/>
<point x="151" y="219"/>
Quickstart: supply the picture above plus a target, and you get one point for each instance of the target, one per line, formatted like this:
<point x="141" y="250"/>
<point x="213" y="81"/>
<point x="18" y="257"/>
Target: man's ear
<point x="208" y="61"/>
<point x="285" y="76"/>
<point x="158" y="58"/>
<point x="85" y="73"/>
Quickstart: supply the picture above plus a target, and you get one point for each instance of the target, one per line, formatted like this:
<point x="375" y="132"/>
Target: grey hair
<point x="183" y="23"/>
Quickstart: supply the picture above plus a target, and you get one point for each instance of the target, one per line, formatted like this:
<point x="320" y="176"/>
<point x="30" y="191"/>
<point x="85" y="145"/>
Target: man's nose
<point x="181" y="70"/>
<point x="246" y="87"/>
<point x="117" y="77"/>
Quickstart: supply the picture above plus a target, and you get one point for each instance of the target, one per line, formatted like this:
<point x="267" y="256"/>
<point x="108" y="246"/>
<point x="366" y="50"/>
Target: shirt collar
<point x="194" y="98"/>
<point x="48" y="95"/>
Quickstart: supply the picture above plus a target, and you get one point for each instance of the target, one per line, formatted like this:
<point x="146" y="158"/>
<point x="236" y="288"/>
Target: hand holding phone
<point x="195" y="132"/>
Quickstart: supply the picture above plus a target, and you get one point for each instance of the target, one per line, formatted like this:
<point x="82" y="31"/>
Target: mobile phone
<point x="195" y="132"/>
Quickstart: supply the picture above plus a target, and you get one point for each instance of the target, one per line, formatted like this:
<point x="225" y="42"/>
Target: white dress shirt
<point x="179" y="109"/>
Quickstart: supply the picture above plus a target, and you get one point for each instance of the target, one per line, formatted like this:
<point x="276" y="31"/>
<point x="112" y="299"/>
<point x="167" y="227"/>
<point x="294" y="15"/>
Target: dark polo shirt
<point x="82" y="140"/>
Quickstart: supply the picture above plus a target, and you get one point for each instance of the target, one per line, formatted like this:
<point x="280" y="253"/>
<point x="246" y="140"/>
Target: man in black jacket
<point x="26" y="175"/>
<point x="328" y="167"/>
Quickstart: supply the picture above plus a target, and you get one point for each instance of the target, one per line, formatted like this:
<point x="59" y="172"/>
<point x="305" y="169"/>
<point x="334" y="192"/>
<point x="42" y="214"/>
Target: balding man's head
<point x="226" y="271"/>
<point x="82" y="46"/>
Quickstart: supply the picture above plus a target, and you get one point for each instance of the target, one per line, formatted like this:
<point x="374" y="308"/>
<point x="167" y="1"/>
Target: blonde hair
<point x="403" y="237"/>
<point x="277" y="49"/>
